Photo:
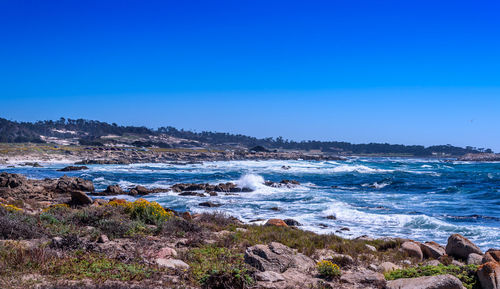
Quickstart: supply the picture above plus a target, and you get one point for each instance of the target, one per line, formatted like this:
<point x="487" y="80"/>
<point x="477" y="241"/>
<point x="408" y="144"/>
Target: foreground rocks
<point x="489" y="275"/>
<point x="61" y="190"/>
<point x="428" y="282"/>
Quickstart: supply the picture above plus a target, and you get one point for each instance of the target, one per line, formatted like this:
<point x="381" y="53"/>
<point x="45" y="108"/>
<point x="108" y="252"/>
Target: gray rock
<point x="474" y="259"/>
<point x="103" y="239"/>
<point x="387" y="267"/>
<point x="80" y="198"/>
<point x="460" y="247"/>
<point x="364" y="278"/>
<point x="433" y="263"/>
<point x="172" y="263"/>
<point x="432" y="250"/>
<point x="276" y="257"/>
<point x="269" y="276"/>
<point x="412" y="249"/>
<point x="427" y="282"/>
<point x="371" y="248"/>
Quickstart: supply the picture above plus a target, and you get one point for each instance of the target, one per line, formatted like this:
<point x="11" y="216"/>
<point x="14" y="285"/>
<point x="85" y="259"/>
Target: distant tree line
<point x="89" y="132"/>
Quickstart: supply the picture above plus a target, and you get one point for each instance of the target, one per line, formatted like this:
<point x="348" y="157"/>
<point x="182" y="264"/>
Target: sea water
<point x="421" y="199"/>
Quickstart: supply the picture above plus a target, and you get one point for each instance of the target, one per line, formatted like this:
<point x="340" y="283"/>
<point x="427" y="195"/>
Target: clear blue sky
<point x="412" y="72"/>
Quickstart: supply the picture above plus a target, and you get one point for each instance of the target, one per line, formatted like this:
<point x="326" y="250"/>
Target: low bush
<point x="216" y="267"/>
<point x="466" y="274"/>
<point x="97" y="267"/>
<point x="143" y="210"/>
<point x="216" y="221"/>
<point x="304" y="241"/>
<point x="178" y="227"/>
<point x="328" y="270"/>
<point x="14" y="224"/>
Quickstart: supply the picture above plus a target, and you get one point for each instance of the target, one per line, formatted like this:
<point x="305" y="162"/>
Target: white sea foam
<point x="250" y="181"/>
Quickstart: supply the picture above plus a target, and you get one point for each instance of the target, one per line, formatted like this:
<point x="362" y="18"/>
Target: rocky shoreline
<point x="115" y="155"/>
<point x="46" y="225"/>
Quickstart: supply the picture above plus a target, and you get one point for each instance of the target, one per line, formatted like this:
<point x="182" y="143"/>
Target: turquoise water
<point x="416" y="198"/>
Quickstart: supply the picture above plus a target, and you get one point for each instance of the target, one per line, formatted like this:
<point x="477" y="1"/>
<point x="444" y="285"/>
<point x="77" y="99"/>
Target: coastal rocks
<point x="113" y="190"/>
<point x="277" y="257"/>
<point x="209" y="204"/>
<point x="489" y="275"/>
<point x="292" y="222"/>
<point x="73" y="168"/>
<point x="432" y="250"/>
<point x="192" y="194"/>
<point x="79" y="198"/>
<point x="412" y="249"/>
<point x="484" y="157"/>
<point x="67" y="184"/>
<point x="276" y="222"/>
<point x="460" y="247"/>
<point x="222" y="187"/>
<point x="139" y="190"/>
<point x="427" y="282"/>
<point x="11" y="180"/>
<point x="282" y="184"/>
<point x="44" y="191"/>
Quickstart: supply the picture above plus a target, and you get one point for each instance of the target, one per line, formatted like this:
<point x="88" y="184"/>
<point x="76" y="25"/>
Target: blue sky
<point x="412" y="72"/>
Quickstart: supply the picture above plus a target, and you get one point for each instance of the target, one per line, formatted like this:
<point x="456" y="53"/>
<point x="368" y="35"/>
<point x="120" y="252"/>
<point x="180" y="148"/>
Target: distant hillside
<point x="91" y="132"/>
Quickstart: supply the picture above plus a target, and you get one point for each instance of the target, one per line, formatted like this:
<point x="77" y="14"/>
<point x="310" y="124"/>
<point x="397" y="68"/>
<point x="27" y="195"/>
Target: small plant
<point x="328" y="270"/>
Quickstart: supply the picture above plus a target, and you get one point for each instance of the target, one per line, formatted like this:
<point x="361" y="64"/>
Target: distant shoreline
<point x="21" y="153"/>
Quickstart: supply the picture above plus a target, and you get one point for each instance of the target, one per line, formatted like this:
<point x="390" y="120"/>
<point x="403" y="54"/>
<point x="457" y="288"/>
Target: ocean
<point x="420" y="199"/>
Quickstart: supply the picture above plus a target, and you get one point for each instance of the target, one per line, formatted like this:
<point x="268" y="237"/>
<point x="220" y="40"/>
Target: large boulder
<point x="489" y="275"/>
<point x="66" y="184"/>
<point x="11" y="180"/>
<point x="412" y="249"/>
<point x="491" y="255"/>
<point x="363" y="279"/>
<point x="139" y="190"/>
<point x="460" y="247"/>
<point x="432" y="250"/>
<point x="73" y="168"/>
<point x="79" y="198"/>
<point x="113" y="190"/>
<point x="277" y="257"/>
<point x="427" y="282"/>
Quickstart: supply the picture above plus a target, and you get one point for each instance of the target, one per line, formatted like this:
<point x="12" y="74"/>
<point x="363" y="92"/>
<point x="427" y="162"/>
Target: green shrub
<point x="216" y="267"/>
<point x="466" y="274"/>
<point x="14" y="224"/>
